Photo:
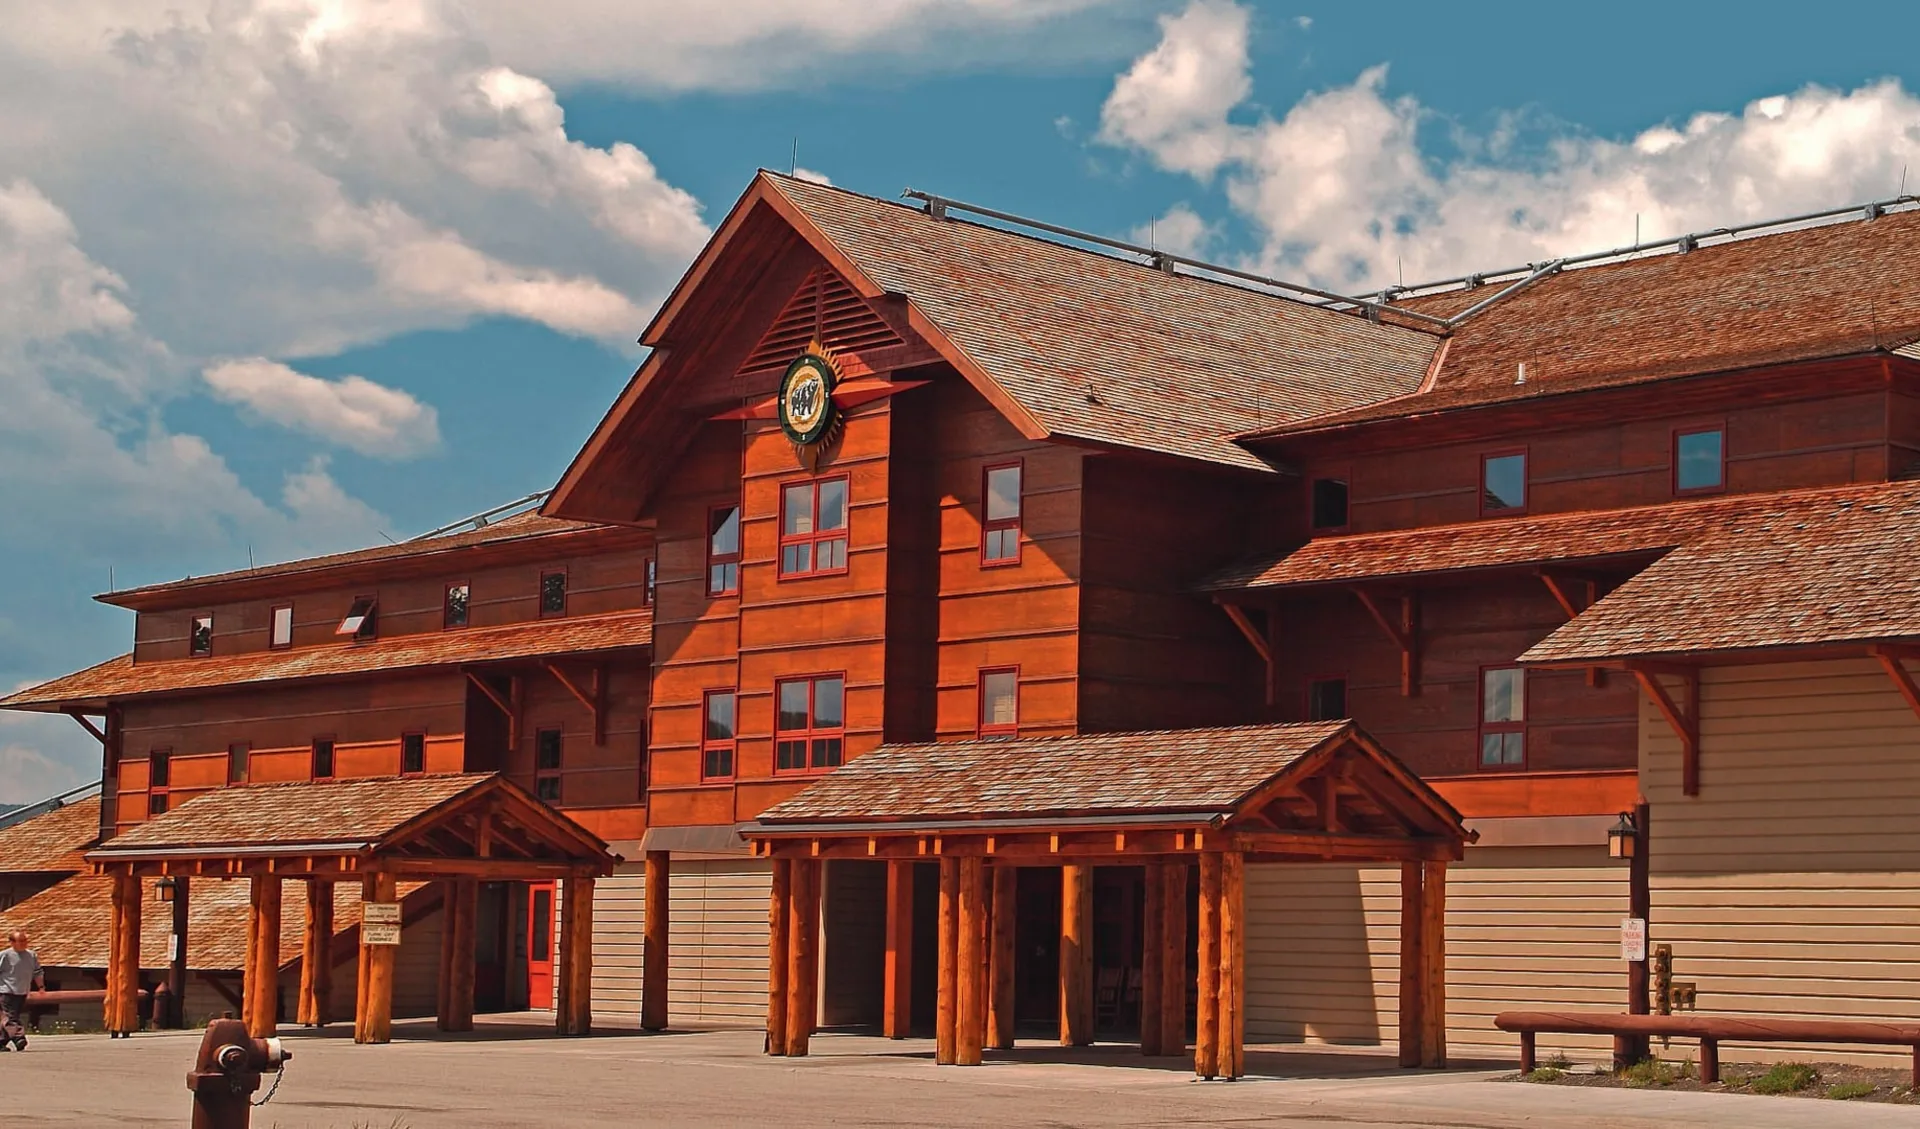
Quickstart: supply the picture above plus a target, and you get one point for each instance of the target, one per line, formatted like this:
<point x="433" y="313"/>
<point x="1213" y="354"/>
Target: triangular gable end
<point x="824" y="309"/>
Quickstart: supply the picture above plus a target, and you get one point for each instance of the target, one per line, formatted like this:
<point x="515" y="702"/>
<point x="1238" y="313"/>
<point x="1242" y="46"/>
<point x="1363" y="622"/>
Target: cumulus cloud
<point x="1342" y="194"/>
<point x="1180" y="230"/>
<point x="808" y="174"/>
<point x="352" y="411"/>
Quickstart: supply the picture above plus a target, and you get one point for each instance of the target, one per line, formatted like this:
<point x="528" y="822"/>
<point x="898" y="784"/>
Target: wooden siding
<point x="591" y="776"/>
<point x="1790" y="886"/>
<point x="717" y="940"/>
<point x="1526" y="928"/>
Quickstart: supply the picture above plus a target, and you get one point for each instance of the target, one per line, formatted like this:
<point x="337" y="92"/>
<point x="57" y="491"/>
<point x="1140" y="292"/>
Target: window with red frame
<point x="413" y="753"/>
<point x="1503" y="483"/>
<point x="1503" y="718"/>
<point x="813" y="527"/>
<point x="723" y="551"/>
<point x="238" y="754"/>
<point x="1329" y="504"/>
<point x="1000" y="702"/>
<point x="547" y="751"/>
<point x="718" y="736"/>
<point x="159" y="780"/>
<point x="1000" y="515"/>
<point x="553" y="593"/>
<point x="1699" y="461"/>
<point x="810" y="724"/>
<point x="323" y="758"/>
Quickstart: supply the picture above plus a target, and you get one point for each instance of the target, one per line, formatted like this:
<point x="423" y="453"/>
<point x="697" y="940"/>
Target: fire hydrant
<point x="227" y="1070"/>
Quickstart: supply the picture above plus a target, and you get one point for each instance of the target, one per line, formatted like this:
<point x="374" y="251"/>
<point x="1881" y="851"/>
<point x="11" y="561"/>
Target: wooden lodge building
<point x="992" y="605"/>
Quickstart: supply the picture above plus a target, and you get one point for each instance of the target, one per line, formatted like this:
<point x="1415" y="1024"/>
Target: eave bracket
<point x="1684" y="718"/>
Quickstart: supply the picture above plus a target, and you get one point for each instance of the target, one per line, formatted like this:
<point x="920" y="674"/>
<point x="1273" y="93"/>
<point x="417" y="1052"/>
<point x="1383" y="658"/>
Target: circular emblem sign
<point x="806" y="399"/>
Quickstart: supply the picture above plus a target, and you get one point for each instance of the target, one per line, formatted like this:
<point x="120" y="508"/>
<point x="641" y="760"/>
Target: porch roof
<point x="435" y="826"/>
<point x="1324" y="789"/>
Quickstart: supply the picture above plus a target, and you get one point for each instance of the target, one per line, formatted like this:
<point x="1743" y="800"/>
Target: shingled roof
<point x="348" y="814"/>
<point x="1809" y="569"/>
<point x="53" y="841"/>
<point x="122" y="678"/>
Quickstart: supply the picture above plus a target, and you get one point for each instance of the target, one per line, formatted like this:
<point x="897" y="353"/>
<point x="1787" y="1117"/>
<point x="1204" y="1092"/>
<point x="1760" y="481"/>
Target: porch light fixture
<point x="1623" y="838"/>
<point x="163" y="888"/>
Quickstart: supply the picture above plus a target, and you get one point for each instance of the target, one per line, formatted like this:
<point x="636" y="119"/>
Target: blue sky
<point x="290" y="276"/>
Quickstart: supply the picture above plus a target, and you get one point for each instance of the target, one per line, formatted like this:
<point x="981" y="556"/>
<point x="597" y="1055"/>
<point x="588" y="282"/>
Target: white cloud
<point x="1342" y="194"/>
<point x="352" y="411"/>
<point x="808" y="174"/>
<point x="1180" y="230"/>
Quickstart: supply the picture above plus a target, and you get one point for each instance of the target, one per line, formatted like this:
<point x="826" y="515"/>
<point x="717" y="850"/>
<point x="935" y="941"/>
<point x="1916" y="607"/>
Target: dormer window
<point x="454" y="609"/>
<point x="1329" y="504"/>
<point x="359" y="622"/>
<point x="553" y="593"/>
<point x="200" y="638"/>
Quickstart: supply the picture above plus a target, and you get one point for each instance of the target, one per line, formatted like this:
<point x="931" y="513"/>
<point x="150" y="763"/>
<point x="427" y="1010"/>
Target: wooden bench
<point x="1711" y="1030"/>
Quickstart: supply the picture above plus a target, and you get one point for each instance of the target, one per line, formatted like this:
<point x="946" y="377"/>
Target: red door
<point x="540" y="945"/>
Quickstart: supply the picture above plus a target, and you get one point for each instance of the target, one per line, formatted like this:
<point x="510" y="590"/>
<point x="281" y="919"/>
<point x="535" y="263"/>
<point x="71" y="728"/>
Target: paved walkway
<point x="512" y="1074"/>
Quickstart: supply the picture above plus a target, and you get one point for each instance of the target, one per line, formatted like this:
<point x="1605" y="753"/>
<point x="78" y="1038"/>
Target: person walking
<point x="19" y="974"/>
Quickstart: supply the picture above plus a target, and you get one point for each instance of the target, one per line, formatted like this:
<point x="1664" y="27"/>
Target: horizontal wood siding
<point x="1790" y="886"/>
<point x="717" y="942"/>
<point x="1526" y="928"/>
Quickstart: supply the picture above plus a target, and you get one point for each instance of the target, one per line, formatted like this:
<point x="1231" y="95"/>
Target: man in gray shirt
<point x="19" y="974"/>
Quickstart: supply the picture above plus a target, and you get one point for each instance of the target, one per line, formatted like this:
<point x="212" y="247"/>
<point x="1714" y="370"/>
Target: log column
<point x="574" y="1015"/>
<point x="261" y="998"/>
<point x="1206" y="1029"/>
<point x="1153" y="925"/>
<point x="653" y="953"/>
<point x="970" y="1020"/>
<point x="373" y="1019"/>
<point x="122" y="1010"/>
<point x="803" y="950"/>
<point x="457" y="953"/>
<point x="1076" y="955"/>
<point x="896" y="1017"/>
<point x="1005" y="881"/>
<point x="1231" y="1012"/>
<point x="1412" y="964"/>
<point x="177" y="956"/>
<point x="1173" y="970"/>
<point x="779" y="938"/>
<point x="316" y="956"/>
<point x="947" y="994"/>
<point x="1433" y="952"/>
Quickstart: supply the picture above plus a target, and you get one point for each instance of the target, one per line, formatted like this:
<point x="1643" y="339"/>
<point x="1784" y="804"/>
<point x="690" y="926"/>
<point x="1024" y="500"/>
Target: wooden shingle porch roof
<point x="1319" y="790"/>
<point x="450" y="825"/>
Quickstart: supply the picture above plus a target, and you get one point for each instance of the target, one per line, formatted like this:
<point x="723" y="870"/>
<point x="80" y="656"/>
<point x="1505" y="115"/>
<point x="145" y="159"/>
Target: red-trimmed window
<point x="159" y="780"/>
<point x="456" y="607"/>
<point x="723" y="551"/>
<point x="1328" y="509"/>
<point x="810" y="725"/>
<point x="813" y="527"/>
<point x="1000" y="499"/>
<point x="322" y="758"/>
<point x="1700" y="461"/>
<point x="1000" y="702"/>
<point x="553" y="593"/>
<point x="719" y="732"/>
<point x="1503" y="718"/>
<point x="1327" y="699"/>
<point x="1503" y="483"/>
<point x="238" y="754"/>
<point x="548" y="750"/>
<point x="413" y="753"/>
<point x="280" y="627"/>
<point x="200" y="636"/>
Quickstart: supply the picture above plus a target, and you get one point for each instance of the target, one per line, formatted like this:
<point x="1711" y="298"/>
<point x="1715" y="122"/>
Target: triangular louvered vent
<point x="824" y="309"/>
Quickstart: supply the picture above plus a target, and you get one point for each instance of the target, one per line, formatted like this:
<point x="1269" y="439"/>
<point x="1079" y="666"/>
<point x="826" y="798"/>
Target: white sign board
<point x="382" y="913"/>
<point x="1633" y="939"/>
<point x="380" y="933"/>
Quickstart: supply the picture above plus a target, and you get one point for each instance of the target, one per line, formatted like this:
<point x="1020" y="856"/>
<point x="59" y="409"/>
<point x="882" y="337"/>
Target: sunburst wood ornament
<point x="813" y="400"/>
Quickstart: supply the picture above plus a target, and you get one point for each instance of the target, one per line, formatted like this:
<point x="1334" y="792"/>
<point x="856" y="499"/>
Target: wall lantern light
<point x="1623" y="838"/>
<point x="163" y="888"/>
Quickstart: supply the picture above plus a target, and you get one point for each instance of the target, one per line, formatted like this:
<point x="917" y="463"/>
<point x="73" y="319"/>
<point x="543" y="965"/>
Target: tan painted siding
<point x="1790" y="886"/>
<point x="1527" y="927"/>
<point x="717" y="970"/>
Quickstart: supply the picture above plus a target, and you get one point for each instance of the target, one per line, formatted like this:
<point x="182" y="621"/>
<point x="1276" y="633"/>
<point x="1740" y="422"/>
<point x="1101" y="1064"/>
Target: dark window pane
<point x="542" y="925"/>
<point x="359" y="621"/>
<point x="201" y="641"/>
<point x="796" y="558"/>
<point x="456" y="605"/>
<point x="793" y="706"/>
<point x="1329" y="503"/>
<point x="826" y="752"/>
<point x="725" y="532"/>
<point x="827" y="703"/>
<point x="833" y="504"/>
<point x="159" y="770"/>
<point x="790" y="754"/>
<point x="237" y="755"/>
<point x="1003" y="544"/>
<point x="413" y="753"/>
<point x="546" y="750"/>
<point x="547" y="788"/>
<point x="1505" y="483"/>
<point x="1699" y="460"/>
<point x="652" y="573"/>
<point x="720" y="717"/>
<point x="719" y="763"/>
<point x="1327" y="699"/>
<point x="157" y="803"/>
<point x="1003" y="493"/>
<point x="322" y="759"/>
<point x="553" y="593"/>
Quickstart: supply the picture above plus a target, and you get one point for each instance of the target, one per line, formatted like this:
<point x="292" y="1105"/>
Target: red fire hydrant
<point x="227" y="1071"/>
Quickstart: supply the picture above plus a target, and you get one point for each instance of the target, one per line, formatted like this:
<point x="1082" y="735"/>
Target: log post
<point x="1005" y="921"/>
<point x="262" y="989"/>
<point x="653" y="953"/>
<point x="443" y="985"/>
<point x="123" y="954"/>
<point x="779" y="932"/>
<point x="896" y="1017"/>
<point x="362" y="969"/>
<point x="1076" y="955"/>
<point x="1206" y="1032"/>
<point x="466" y="910"/>
<point x="1173" y="972"/>
<point x="947" y="1001"/>
<point x="177" y="955"/>
<point x="1412" y="964"/>
<point x="316" y="956"/>
<point x="1629" y="1049"/>
<point x="575" y="1012"/>
<point x="1231" y="1013"/>
<point x="1153" y="925"/>
<point x="803" y="947"/>
<point x="970" y="1020"/>
<point x="1433" y="952"/>
<point x="374" y="1022"/>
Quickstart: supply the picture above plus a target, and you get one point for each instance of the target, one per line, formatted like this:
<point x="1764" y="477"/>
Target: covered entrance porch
<point x="1193" y="809"/>
<point x="459" y="831"/>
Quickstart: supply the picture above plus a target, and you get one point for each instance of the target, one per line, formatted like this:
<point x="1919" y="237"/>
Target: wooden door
<point x="540" y="911"/>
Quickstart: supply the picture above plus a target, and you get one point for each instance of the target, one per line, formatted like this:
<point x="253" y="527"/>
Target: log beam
<point x="1231" y="1013"/>
<point x="896" y="1019"/>
<point x="970" y="1017"/>
<point x="263" y="959"/>
<point x="1403" y="628"/>
<point x="947" y="1000"/>
<point x="1206" y="1035"/>
<point x="574" y="1013"/>
<point x="1891" y="661"/>
<point x="1684" y="718"/>
<point x="655" y="946"/>
<point x="1433" y="954"/>
<point x="1412" y="963"/>
<point x="1076" y="955"/>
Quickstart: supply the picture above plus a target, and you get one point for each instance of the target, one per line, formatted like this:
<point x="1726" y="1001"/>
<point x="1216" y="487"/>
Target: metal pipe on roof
<point x="479" y="520"/>
<point x="1539" y="273"/>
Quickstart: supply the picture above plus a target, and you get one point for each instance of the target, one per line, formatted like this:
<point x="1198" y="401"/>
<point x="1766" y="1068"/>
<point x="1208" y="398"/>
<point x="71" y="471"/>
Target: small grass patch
<point x="1785" y="1078"/>
<point x="1847" y="1091"/>
<point x="1651" y="1072"/>
<point x="1546" y="1074"/>
<point x="1557" y="1061"/>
